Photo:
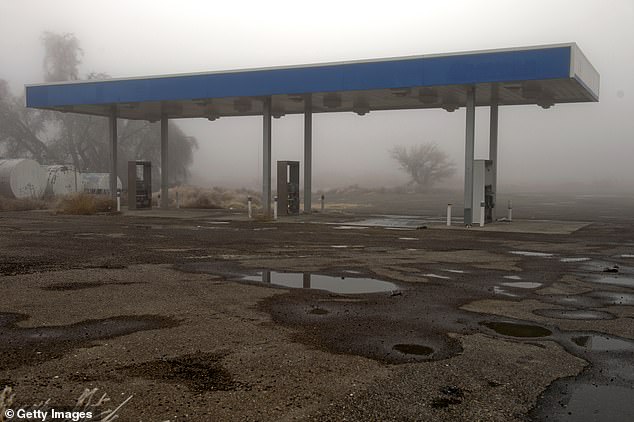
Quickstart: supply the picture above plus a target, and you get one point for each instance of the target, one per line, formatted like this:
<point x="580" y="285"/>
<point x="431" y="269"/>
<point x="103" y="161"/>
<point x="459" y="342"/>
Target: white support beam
<point x="469" y="155"/>
<point x="164" y="162"/>
<point x="308" y="152"/>
<point x="493" y="153"/>
<point x="112" y="135"/>
<point x="266" y="156"/>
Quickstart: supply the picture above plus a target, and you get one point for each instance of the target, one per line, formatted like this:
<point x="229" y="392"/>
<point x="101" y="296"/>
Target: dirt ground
<point x="483" y="325"/>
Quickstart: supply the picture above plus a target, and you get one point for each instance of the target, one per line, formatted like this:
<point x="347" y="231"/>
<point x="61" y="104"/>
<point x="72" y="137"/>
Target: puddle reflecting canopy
<point x="346" y="285"/>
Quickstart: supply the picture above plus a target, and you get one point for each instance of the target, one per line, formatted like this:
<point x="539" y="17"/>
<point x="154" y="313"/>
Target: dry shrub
<point x="215" y="198"/>
<point x="85" y="204"/>
<point x="11" y="204"/>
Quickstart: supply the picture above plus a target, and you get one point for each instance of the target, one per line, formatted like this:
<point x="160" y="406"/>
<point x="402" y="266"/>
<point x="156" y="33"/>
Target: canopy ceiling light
<point x="361" y="106"/>
<point x="277" y="112"/>
<point x="450" y="103"/>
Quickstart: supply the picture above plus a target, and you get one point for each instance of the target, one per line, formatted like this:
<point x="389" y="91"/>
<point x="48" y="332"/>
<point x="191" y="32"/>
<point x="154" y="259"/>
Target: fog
<point x="587" y="146"/>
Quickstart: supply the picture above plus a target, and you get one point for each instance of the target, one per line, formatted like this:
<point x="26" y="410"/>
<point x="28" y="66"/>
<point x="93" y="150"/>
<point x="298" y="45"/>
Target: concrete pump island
<point x="306" y="311"/>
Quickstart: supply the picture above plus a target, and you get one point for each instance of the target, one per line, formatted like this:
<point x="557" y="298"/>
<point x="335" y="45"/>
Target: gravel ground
<point x="156" y="308"/>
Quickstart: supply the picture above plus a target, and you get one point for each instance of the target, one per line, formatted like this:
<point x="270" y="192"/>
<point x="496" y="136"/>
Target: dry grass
<point x="215" y="198"/>
<point x="10" y="204"/>
<point x="88" y="401"/>
<point x="85" y="204"/>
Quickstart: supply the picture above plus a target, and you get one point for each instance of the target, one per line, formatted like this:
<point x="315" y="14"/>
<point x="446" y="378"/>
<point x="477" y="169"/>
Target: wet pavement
<point x="218" y="318"/>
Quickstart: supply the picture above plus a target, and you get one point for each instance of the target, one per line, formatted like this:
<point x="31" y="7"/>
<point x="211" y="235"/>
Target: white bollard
<point x="118" y="200"/>
<point x="448" y="214"/>
<point x="275" y="208"/>
<point x="510" y="210"/>
<point x="178" y="200"/>
<point x="322" y="202"/>
<point x="481" y="214"/>
<point x="249" y="207"/>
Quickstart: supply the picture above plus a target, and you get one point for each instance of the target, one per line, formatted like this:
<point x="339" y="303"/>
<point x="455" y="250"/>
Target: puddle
<point x="349" y="227"/>
<point x="431" y="275"/>
<point x="613" y="298"/>
<point x="522" y="284"/>
<point x="345" y="285"/>
<point x="603" y="343"/>
<point x="339" y="246"/>
<point x="512" y="277"/>
<point x="517" y="330"/>
<point x="627" y="255"/>
<point x="28" y="345"/>
<point x="574" y="259"/>
<point x="579" y="314"/>
<point x="528" y="253"/>
<point x="455" y="271"/>
<point x="590" y="402"/>
<point x="413" y="349"/>
<point x="407" y="238"/>
<point x="615" y="280"/>
<point x="500" y="291"/>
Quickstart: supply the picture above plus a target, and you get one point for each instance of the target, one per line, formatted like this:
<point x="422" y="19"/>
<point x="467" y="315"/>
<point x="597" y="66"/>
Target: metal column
<point x="308" y="152"/>
<point x="493" y="152"/>
<point x="266" y="156"/>
<point x="468" y="157"/>
<point x="112" y="134"/>
<point x="164" y="161"/>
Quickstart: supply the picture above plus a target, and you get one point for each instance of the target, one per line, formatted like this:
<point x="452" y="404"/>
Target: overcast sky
<point x="590" y="143"/>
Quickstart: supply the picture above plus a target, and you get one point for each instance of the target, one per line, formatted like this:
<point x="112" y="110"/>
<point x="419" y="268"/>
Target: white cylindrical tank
<point x="61" y="180"/>
<point x="21" y="178"/>
<point x="97" y="182"/>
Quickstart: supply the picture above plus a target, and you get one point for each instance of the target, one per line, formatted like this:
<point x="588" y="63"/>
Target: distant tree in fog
<point x="426" y="164"/>
<point x="58" y="138"/>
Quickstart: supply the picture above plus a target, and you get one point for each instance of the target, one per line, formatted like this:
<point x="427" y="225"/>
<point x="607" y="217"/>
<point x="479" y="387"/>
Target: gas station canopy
<point x="543" y="75"/>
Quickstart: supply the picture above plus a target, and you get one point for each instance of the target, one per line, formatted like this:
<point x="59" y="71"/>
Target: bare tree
<point x="52" y="137"/>
<point x="426" y="164"/>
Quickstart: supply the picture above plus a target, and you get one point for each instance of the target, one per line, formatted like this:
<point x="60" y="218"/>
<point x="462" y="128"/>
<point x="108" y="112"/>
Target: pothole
<point x="343" y="284"/>
<point x="613" y="298"/>
<point x="578" y="314"/>
<point x="512" y="329"/>
<point x="413" y="349"/>
<point x="522" y="284"/>
<point x="603" y="343"/>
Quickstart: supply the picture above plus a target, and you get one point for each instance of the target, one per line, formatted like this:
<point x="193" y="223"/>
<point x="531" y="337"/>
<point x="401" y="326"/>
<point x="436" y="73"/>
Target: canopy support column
<point x="493" y="153"/>
<point x="164" y="162"/>
<point x="469" y="155"/>
<point x="308" y="152"/>
<point x="112" y="134"/>
<point x="266" y="156"/>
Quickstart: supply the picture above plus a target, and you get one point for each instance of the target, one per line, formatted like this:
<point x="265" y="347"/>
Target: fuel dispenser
<point x="288" y="187"/>
<point x="139" y="185"/>
<point x="483" y="190"/>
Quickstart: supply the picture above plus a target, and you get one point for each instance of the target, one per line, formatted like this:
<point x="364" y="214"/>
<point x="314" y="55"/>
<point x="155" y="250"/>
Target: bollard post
<point x="322" y="202"/>
<point x="448" y="214"/>
<point x="510" y="210"/>
<point x="249" y="207"/>
<point x="178" y="201"/>
<point x="482" y="214"/>
<point x="118" y="200"/>
<point x="275" y="208"/>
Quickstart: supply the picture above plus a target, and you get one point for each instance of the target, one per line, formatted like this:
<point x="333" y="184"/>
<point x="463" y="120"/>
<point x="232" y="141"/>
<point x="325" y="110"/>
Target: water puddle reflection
<point x="345" y="285"/>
